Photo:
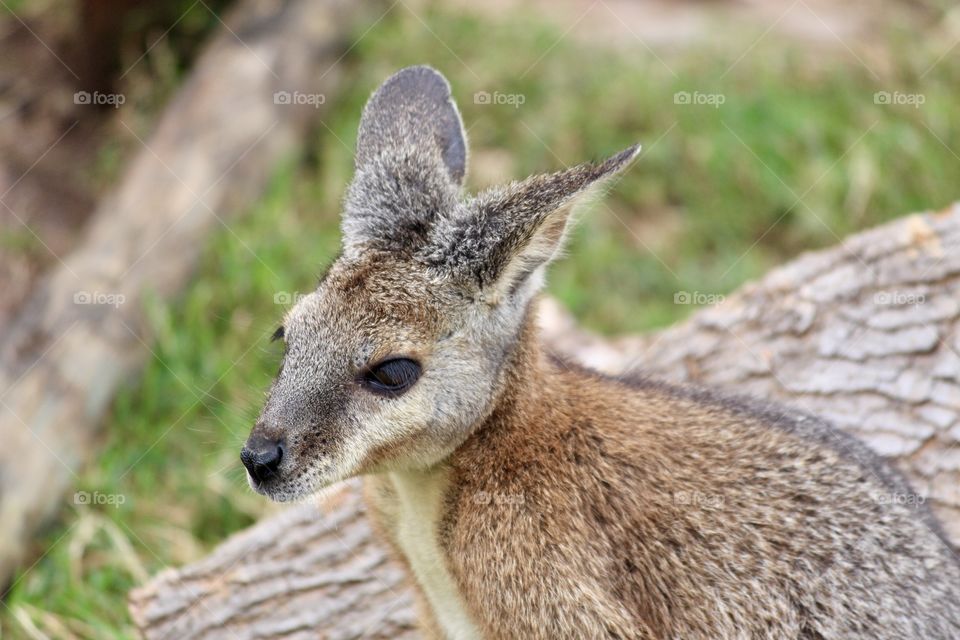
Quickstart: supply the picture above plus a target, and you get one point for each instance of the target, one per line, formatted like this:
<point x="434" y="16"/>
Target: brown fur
<point x="532" y="498"/>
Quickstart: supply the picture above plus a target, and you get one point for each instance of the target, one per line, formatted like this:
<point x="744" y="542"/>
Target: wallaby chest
<point x="419" y="499"/>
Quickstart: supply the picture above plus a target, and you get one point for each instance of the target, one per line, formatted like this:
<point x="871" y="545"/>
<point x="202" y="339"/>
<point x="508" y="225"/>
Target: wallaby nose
<point x="262" y="457"/>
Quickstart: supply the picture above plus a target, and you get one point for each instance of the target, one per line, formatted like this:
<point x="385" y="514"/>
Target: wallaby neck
<point x="527" y="398"/>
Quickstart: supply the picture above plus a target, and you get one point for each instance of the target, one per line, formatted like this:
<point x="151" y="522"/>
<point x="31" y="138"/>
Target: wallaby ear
<point x="413" y="109"/>
<point x="410" y="164"/>
<point x="507" y="234"/>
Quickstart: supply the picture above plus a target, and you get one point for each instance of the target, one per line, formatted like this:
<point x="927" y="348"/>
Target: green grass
<point x="796" y="157"/>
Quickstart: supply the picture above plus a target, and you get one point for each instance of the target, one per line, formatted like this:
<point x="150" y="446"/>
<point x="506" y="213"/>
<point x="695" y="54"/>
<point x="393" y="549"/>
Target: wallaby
<point x="531" y="497"/>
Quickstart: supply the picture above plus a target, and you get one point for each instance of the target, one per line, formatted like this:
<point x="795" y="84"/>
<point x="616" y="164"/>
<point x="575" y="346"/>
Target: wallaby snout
<point x="262" y="457"/>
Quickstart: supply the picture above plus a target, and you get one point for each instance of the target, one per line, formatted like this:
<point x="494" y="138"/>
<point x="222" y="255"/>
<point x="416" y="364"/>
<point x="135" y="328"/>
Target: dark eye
<point x="391" y="377"/>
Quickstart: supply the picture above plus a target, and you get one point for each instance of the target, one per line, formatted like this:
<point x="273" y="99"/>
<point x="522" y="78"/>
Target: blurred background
<point x="769" y="128"/>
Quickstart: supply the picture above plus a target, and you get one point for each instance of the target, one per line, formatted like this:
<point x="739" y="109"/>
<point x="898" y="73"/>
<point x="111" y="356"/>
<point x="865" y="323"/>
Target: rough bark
<point x="865" y="333"/>
<point x="82" y="331"/>
<point x="306" y="569"/>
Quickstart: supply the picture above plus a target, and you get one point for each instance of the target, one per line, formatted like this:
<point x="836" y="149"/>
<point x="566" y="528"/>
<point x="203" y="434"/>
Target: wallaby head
<point x="400" y="351"/>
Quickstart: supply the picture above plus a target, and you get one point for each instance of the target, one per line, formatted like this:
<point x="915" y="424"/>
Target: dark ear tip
<point x="623" y="158"/>
<point x="419" y="75"/>
<point x="613" y="164"/>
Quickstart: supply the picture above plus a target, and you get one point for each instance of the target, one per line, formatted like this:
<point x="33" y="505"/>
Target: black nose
<point x="262" y="458"/>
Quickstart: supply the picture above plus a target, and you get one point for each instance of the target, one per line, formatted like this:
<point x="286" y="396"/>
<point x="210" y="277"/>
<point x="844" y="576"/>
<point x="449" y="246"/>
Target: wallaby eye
<point x="391" y="377"/>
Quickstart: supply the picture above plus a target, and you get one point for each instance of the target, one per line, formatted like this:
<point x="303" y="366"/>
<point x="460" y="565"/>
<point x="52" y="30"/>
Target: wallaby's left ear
<point x="411" y="159"/>
<point x="413" y="109"/>
<point x="508" y="233"/>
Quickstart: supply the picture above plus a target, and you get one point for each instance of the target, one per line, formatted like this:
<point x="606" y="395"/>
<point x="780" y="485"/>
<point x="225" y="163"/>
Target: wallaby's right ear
<point x="414" y="109"/>
<point x="506" y="235"/>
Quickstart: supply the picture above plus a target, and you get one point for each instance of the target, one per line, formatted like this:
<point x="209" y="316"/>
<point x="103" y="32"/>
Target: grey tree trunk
<point x="82" y="331"/>
<point x="865" y="333"/>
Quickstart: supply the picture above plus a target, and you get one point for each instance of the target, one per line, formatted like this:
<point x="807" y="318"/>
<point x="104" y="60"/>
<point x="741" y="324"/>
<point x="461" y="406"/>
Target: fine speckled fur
<point x="532" y="498"/>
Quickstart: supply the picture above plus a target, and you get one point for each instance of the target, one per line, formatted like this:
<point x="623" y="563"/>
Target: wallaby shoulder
<point x="639" y="496"/>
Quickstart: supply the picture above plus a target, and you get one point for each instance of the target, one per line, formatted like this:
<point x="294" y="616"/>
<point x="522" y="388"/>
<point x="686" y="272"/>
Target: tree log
<point x="865" y="333"/>
<point x="307" y="569"/>
<point x="82" y="332"/>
